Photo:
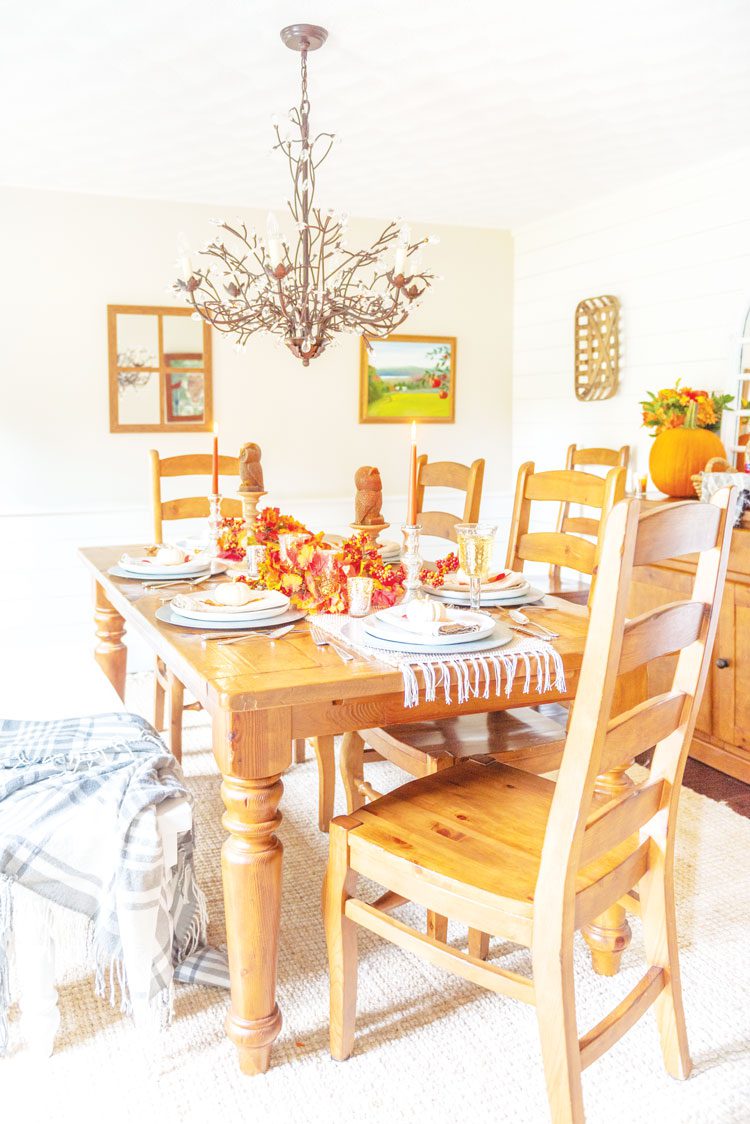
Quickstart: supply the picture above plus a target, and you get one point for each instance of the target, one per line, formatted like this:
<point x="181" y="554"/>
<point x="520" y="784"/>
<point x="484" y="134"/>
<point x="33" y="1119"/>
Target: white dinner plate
<point x="193" y="606"/>
<point x="167" y="616"/>
<point x="489" y="601"/>
<point x="217" y="568"/>
<point x="143" y="567"/>
<point x="381" y="625"/>
<point x="499" y="636"/>
<point x="489" y="589"/>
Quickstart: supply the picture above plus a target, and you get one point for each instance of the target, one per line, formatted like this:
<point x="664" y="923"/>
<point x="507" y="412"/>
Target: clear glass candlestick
<point x="475" y="543"/>
<point x="412" y="561"/>
<point x="214" y="525"/>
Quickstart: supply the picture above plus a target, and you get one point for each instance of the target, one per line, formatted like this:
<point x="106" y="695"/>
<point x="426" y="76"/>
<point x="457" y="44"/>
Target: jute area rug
<point x="429" y="1047"/>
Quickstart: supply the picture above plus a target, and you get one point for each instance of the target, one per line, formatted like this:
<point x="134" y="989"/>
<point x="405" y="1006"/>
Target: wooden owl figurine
<point x="251" y="470"/>
<point x="368" y="501"/>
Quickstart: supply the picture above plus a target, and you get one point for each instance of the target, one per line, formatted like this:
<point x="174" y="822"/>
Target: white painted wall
<point x="676" y="252"/>
<point x="65" y="480"/>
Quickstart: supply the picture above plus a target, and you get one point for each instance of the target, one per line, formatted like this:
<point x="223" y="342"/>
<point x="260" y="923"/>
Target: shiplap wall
<point x="677" y="253"/>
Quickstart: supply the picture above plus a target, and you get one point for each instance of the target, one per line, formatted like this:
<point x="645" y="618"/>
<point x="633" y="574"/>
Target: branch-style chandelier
<point x="309" y="290"/>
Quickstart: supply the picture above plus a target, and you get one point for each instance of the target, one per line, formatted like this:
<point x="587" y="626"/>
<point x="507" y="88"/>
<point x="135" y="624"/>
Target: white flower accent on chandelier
<point x="314" y="288"/>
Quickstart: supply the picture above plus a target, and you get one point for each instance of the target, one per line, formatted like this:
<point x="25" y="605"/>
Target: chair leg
<point x="656" y="891"/>
<point x="341" y="939"/>
<point x="324" y="751"/>
<point x="175" y="699"/>
<point x="556" y="1015"/>
<point x="299" y="751"/>
<point x="352" y="769"/>
<point x="159" y="696"/>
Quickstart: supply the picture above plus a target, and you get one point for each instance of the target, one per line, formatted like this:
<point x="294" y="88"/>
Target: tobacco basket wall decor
<point x="597" y="348"/>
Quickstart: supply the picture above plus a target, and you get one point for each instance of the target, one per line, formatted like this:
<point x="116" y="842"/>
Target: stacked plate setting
<point x="144" y="566"/>
<point x="268" y="608"/>
<point x="391" y="628"/>
<point x="514" y="590"/>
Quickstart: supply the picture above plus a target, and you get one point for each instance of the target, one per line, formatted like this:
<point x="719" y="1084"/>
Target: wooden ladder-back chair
<point x="532" y="739"/>
<point x="515" y="855"/>
<point x="168" y="687"/>
<point x="189" y="507"/>
<point x="447" y="474"/>
<point x="562" y="548"/>
<point x="582" y="459"/>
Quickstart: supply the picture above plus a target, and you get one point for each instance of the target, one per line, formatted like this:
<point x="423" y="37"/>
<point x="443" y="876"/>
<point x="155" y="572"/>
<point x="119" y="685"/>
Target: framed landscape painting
<point x="408" y="378"/>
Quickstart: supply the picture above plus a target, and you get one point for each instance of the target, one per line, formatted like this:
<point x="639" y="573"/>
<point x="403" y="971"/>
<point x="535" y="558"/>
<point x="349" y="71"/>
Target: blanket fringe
<point x="6" y="926"/>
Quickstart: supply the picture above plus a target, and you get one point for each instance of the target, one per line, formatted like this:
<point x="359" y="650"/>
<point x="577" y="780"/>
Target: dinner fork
<point x="270" y="634"/>
<point x="322" y="641"/>
<point x="152" y="587"/>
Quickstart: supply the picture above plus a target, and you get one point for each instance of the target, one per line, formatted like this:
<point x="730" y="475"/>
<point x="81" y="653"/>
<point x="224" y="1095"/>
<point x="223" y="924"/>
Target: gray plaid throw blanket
<point x="78" y="826"/>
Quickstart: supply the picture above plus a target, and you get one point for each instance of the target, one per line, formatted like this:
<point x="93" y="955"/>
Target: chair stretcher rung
<point x="611" y="1028"/>
<point x="439" y="954"/>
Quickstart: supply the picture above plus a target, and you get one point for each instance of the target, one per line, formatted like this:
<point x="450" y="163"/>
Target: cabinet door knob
<point x="722" y="663"/>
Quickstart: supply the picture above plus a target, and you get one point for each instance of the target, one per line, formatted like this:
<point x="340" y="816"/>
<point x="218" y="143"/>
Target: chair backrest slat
<point x="458" y="477"/>
<point x="188" y="507"/>
<point x="605" y="458"/>
<point x="561" y="548"/>
<point x="567" y="486"/>
<point x="640" y="728"/>
<point x="595" y="898"/>
<point x="577" y="882"/>
<point x="612" y="825"/>
<point x="672" y="536"/>
<point x="660" y="631"/>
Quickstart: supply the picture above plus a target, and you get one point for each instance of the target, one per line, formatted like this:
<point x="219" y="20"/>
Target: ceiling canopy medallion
<point x="312" y="287"/>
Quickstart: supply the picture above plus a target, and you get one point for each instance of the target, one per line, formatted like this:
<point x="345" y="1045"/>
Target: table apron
<point x="339" y="716"/>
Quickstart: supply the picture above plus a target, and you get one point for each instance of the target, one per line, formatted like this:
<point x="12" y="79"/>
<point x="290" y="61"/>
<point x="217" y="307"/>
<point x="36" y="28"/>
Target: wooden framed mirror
<point x="160" y="371"/>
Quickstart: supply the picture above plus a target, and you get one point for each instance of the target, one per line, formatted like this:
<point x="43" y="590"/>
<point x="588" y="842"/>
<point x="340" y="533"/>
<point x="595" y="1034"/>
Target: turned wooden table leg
<point x="110" y="652"/>
<point x="251" y="870"/>
<point x="609" y="935"/>
<point x="251" y="862"/>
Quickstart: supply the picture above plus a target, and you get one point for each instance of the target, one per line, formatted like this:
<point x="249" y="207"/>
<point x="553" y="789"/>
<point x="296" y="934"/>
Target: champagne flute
<point x="475" y="543"/>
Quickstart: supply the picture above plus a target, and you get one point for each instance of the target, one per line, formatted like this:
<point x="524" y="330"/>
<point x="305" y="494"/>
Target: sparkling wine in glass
<point x="475" y="543"/>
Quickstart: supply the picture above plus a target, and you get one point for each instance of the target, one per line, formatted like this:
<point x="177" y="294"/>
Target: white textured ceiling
<point x="470" y="112"/>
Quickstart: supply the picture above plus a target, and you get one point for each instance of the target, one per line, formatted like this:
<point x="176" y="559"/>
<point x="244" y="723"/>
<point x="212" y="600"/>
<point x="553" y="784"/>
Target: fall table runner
<point x="471" y="672"/>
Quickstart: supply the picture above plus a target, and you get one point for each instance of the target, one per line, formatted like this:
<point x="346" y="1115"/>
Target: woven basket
<point x="716" y="464"/>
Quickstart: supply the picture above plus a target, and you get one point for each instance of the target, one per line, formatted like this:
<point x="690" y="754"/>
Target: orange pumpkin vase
<point x="677" y="454"/>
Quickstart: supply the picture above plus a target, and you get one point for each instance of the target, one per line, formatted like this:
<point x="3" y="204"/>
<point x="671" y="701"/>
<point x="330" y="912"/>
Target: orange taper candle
<point x="215" y="464"/>
<point x="411" y="510"/>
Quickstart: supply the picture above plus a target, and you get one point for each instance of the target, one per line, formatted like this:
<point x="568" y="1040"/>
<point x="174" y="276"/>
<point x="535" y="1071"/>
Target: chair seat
<point x="575" y="590"/>
<point x="478" y="826"/>
<point x="529" y="737"/>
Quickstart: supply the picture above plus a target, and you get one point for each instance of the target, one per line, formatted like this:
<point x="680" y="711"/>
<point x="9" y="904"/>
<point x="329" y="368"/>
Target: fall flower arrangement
<point x="313" y="574"/>
<point x="668" y="409"/>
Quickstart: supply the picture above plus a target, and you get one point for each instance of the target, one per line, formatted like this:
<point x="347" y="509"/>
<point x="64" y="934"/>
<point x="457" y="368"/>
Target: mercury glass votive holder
<point x="255" y="554"/>
<point x="360" y="595"/>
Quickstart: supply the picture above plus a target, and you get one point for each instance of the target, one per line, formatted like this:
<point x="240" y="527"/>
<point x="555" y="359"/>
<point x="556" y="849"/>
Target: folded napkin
<point x="426" y="618"/>
<point x="503" y="579"/>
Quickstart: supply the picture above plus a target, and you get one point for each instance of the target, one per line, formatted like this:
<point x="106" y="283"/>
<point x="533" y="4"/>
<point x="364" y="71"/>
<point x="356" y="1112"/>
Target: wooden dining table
<point x="261" y="696"/>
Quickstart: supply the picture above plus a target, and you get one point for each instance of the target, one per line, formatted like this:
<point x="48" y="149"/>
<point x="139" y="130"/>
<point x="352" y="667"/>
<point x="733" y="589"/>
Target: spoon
<point x="521" y="618"/>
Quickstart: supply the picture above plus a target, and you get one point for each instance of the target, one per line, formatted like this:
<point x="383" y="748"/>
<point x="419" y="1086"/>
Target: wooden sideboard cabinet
<point x="722" y="735"/>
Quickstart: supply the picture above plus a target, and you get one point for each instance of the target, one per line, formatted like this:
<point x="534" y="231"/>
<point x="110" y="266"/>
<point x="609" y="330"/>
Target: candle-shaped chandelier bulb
<point x="275" y="245"/>
<point x="317" y="288"/>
